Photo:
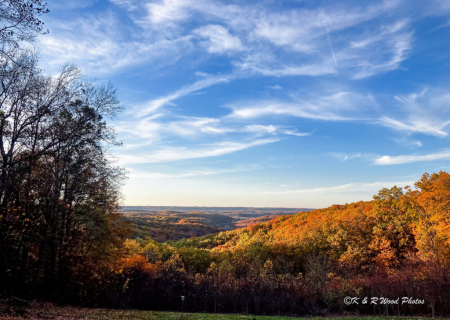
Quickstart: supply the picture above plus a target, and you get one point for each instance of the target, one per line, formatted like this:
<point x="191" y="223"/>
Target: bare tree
<point x="20" y="20"/>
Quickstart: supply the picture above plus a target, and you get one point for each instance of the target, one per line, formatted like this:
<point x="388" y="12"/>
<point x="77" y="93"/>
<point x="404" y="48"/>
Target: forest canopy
<point x="397" y="245"/>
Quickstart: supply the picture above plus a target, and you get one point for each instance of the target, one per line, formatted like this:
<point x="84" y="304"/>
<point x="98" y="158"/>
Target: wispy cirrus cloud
<point x="258" y="128"/>
<point x="183" y="153"/>
<point x="264" y="41"/>
<point x="415" y="125"/>
<point x="167" y="11"/>
<point x="349" y="187"/>
<point x="298" y="134"/>
<point x="425" y="112"/>
<point x="199" y="173"/>
<point x="267" y="64"/>
<point x="379" y="52"/>
<point x="157" y="128"/>
<point x="127" y="4"/>
<point x="340" y="106"/>
<point x="152" y="105"/>
<point x="408" y="142"/>
<point x="403" y="159"/>
<point x="343" y="156"/>
<point x="219" y="40"/>
<point x="106" y="45"/>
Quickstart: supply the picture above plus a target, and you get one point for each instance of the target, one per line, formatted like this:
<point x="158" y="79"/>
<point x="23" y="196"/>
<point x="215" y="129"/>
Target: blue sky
<point x="265" y="103"/>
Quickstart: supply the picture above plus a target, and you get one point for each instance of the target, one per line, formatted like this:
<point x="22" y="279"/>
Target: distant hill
<point x="163" y="223"/>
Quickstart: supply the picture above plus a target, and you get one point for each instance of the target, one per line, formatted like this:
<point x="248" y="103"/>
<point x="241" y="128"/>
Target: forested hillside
<point x="174" y="225"/>
<point x="396" y="245"/>
<point x="181" y="222"/>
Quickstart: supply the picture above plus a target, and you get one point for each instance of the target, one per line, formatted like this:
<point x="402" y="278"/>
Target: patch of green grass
<point x="40" y="311"/>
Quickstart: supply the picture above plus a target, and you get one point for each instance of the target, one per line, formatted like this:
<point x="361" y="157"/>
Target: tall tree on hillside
<point x="58" y="192"/>
<point x="433" y="228"/>
<point x="393" y="214"/>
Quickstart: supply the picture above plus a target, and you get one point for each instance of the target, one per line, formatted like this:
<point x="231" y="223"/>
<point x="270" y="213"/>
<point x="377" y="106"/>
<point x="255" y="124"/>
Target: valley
<point x="175" y="223"/>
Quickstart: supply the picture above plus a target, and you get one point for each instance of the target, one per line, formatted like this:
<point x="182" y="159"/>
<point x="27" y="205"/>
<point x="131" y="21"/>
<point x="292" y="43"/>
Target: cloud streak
<point x="388" y="160"/>
<point x="153" y="105"/>
<point x="159" y="175"/>
<point x="182" y="153"/>
<point x="424" y="112"/>
<point x="349" y="187"/>
<point x="341" y="106"/>
<point x="219" y="39"/>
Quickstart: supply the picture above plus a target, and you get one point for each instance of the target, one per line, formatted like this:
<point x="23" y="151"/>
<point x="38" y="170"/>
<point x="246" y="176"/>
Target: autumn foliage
<point x="396" y="245"/>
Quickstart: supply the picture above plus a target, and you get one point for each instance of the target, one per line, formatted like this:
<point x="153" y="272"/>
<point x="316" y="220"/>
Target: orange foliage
<point x="136" y="263"/>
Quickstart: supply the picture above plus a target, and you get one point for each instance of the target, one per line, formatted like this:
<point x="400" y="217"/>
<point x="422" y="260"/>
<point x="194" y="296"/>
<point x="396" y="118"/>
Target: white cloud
<point x="168" y="11"/>
<point x="268" y="64"/>
<point x="388" y="160"/>
<point x="159" y="175"/>
<point x="298" y="134"/>
<point x="385" y="59"/>
<point x="316" y="34"/>
<point x="257" y="128"/>
<point x="219" y="39"/>
<point x="349" y="187"/>
<point x="155" y="127"/>
<point x="71" y="4"/>
<point x="299" y="29"/>
<point x="105" y="46"/>
<point x="195" y="125"/>
<point x="145" y="128"/>
<point x="384" y="30"/>
<point x="346" y="156"/>
<point x="310" y="33"/>
<point x="417" y="125"/>
<point x="294" y="42"/>
<point x="329" y="108"/>
<point x="425" y="112"/>
<point x="405" y="141"/>
<point x="182" y="153"/>
<point x="127" y="4"/>
<point x="153" y="105"/>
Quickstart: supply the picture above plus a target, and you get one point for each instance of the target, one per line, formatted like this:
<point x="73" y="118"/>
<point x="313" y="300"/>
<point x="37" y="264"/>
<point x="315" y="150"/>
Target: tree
<point x="433" y="228"/>
<point x="59" y="193"/>
<point x="20" y="21"/>
<point x="393" y="214"/>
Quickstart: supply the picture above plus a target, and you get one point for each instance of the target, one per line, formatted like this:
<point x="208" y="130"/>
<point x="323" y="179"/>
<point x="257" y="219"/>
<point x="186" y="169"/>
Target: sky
<point x="266" y="103"/>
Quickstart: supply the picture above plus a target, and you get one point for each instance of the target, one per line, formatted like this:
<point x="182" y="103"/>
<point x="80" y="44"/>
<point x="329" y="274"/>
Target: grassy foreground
<point x="40" y="311"/>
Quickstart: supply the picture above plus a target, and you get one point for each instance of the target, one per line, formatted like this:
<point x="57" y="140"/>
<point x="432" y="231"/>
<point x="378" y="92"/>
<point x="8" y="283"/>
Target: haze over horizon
<point x="214" y="207"/>
<point x="289" y="104"/>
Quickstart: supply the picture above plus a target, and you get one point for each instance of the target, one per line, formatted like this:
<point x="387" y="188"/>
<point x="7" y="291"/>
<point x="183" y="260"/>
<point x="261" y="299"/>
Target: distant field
<point x="174" y="223"/>
<point x="49" y="311"/>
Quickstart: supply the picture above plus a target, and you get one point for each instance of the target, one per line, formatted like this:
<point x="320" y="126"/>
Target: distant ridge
<point x="209" y="209"/>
